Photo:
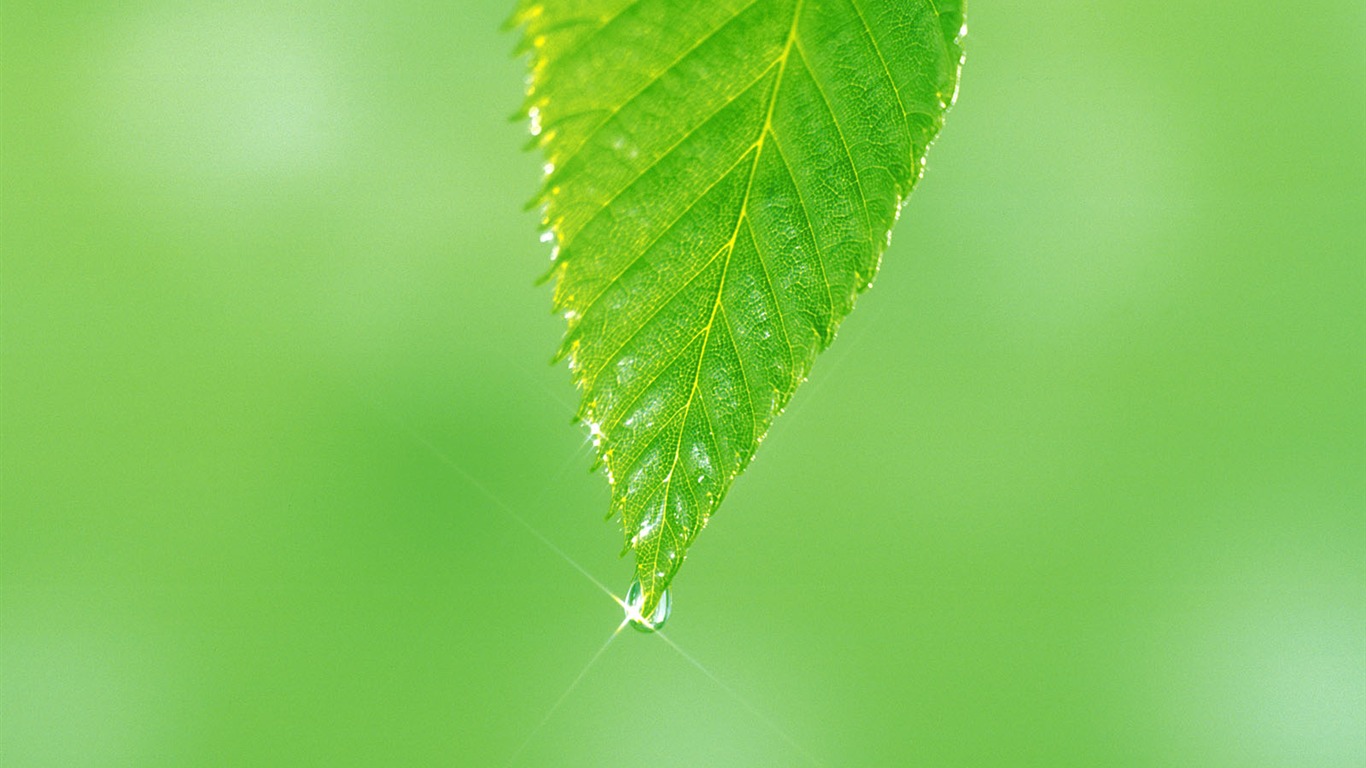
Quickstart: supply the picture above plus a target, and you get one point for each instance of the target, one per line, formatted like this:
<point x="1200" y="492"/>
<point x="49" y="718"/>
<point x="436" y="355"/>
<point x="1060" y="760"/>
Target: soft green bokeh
<point x="1082" y="482"/>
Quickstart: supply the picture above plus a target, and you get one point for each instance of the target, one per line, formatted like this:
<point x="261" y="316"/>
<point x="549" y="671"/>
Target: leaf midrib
<point x="757" y="148"/>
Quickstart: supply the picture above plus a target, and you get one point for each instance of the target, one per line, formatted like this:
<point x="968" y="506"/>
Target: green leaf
<point x="722" y="178"/>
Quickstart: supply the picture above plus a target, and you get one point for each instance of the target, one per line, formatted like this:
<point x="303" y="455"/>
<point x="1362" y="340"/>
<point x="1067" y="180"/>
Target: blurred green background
<point x="1082" y="482"/>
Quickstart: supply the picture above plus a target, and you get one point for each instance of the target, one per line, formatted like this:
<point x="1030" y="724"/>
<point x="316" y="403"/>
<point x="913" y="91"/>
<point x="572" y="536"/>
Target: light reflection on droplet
<point x="635" y="601"/>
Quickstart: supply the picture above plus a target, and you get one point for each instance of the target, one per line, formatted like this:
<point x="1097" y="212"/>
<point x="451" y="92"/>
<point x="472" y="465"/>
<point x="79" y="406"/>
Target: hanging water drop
<point x="635" y="601"/>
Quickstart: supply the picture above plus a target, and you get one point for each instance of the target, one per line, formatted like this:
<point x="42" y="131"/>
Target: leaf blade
<point x="722" y="180"/>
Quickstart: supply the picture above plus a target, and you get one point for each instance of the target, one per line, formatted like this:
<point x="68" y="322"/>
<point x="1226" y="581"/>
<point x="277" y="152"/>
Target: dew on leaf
<point x="635" y="600"/>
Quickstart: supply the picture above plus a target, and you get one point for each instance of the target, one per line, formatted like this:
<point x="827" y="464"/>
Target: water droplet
<point x="635" y="600"/>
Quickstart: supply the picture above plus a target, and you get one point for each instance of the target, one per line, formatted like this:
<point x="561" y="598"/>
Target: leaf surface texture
<point x="722" y="178"/>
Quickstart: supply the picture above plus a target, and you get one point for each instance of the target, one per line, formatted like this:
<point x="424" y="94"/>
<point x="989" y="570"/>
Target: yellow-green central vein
<point x="757" y="149"/>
